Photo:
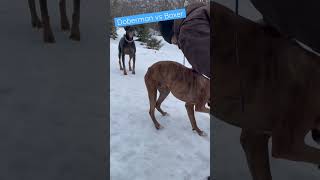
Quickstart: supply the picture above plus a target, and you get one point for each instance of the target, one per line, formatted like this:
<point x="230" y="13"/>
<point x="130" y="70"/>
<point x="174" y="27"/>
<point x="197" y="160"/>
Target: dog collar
<point x="205" y="76"/>
<point x="130" y="41"/>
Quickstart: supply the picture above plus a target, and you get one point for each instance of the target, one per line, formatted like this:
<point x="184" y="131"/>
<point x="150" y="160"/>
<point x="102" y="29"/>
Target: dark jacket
<point x="193" y="35"/>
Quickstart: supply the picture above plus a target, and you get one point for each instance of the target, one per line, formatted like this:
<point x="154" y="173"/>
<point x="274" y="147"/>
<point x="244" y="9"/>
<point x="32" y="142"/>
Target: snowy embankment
<point x="138" y="150"/>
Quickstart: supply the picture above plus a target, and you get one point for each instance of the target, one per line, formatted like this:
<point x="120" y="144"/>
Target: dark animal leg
<point x="255" y="147"/>
<point x="35" y="21"/>
<point x="164" y="92"/>
<point x="65" y="26"/>
<point x="134" y="64"/>
<point x="119" y="56"/>
<point x="47" y="32"/>
<point x="75" y="30"/>
<point x="297" y="150"/>
<point x="190" y="110"/>
<point x="124" y="65"/>
<point x="130" y="58"/>
<point x="152" y="93"/>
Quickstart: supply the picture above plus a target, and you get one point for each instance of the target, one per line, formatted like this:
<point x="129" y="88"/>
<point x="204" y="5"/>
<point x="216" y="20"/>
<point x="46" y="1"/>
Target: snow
<point x="137" y="150"/>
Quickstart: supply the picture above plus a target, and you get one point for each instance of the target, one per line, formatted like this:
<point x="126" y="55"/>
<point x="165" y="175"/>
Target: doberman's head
<point x="129" y="31"/>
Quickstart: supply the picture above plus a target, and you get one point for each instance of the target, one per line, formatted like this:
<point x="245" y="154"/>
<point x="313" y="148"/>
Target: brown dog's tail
<point x="151" y="86"/>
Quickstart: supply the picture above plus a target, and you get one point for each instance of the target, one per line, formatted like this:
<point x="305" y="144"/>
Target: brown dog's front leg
<point x="255" y="147"/>
<point x="190" y="110"/>
<point x="202" y="108"/>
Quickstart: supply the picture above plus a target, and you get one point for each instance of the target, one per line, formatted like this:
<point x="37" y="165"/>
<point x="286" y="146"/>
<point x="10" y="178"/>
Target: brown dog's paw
<point x="165" y="114"/>
<point x="75" y="36"/>
<point x="158" y="126"/>
<point x="201" y="133"/>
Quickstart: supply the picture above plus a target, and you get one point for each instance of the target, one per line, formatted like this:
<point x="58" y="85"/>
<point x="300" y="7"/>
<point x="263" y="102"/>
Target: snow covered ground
<point x="137" y="150"/>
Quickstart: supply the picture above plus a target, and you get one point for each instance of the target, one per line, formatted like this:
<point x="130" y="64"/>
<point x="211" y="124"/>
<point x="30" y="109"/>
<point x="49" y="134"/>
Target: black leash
<point x="238" y="59"/>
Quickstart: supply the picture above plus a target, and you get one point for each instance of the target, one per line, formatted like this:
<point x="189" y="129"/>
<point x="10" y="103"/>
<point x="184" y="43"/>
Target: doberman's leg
<point x="164" y="92"/>
<point x="190" y="110"/>
<point x="75" y="30"/>
<point x="119" y="56"/>
<point x="47" y="32"/>
<point x="152" y="93"/>
<point x="65" y="26"/>
<point x="35" y="21"/>
<point x="255" y="146"/>
<point x="130" y="58"/>
<point x="134" y="64"/>
<point x="124" y="65"/>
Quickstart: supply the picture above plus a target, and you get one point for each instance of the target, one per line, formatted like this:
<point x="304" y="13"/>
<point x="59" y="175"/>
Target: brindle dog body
<point x="127" y="47"/>
<point x="272" y="91"/>
<point x="183" y="83"/>
<point x="45" y="20"/>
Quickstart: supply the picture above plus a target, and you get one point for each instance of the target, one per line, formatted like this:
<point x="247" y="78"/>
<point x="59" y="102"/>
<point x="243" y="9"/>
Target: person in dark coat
<point x="192" y="36"/>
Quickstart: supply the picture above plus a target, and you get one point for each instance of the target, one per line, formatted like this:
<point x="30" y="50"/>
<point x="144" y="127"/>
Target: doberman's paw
<point x="65" y="26"/>
<point x="49" y="38"/>
<point x="36" y="24"/>
<point x="133" y="72"/>
<point x="75" y="34"/>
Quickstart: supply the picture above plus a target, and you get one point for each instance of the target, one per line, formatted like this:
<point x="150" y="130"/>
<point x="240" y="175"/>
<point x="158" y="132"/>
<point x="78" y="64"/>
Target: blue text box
<point x="149" y="17"/>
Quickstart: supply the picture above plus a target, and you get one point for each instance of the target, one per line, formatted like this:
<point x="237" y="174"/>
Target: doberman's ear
<point x="128" y="28"/>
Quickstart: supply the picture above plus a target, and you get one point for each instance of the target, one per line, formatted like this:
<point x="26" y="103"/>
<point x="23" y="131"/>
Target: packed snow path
<point x="137" y="150"/>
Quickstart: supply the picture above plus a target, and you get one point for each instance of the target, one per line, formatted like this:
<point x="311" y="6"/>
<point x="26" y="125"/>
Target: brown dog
<point x="271" y="91"/>
<point x="183" y="83"/>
